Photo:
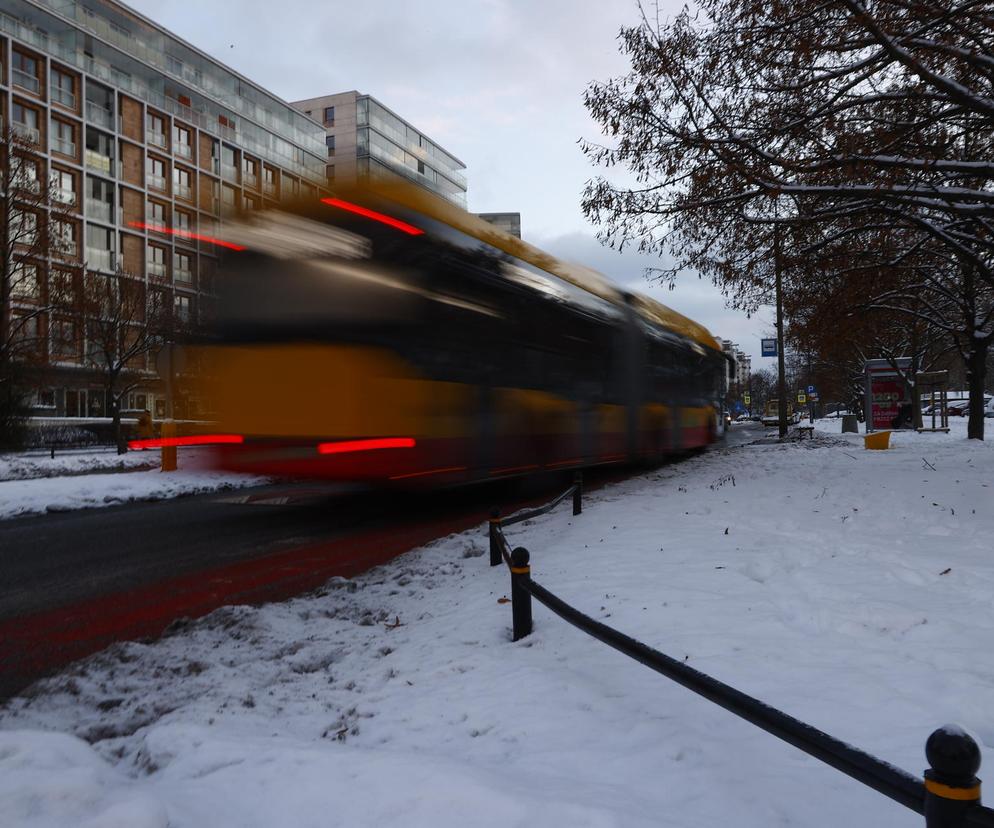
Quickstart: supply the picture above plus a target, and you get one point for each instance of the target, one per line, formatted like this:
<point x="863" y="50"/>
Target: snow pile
<point x="847" y="587"/>
<point x="109" y="486"/>
<point x="30" y="465"/>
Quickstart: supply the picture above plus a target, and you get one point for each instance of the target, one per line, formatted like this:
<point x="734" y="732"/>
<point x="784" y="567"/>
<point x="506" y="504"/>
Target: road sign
<point x="769" y="347"/>
<point x="811" y="389"/>
<point x="813" y="396"/>
<point x="746" y="399"/>
<point x="801" y="398"/>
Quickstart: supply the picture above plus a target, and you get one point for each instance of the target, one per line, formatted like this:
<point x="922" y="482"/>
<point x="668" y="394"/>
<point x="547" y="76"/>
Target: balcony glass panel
<point x="184" y="150"/>
<point x="157" y="182"/>
<point x="29" y="133"/>
<point x="99" y="210"/>
<point x="64" y="146"/>
<point x="98" y="162"/>
<point x="156" y="138"/>
<point x="64" y="97"/>
<point x="96" y="114"/>
<point x="156" y="268"/>
<point x="26" y="81"/>
<point x="99" y="259"/>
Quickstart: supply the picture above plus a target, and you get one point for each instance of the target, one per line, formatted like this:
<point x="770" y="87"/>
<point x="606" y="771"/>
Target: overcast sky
<point x="499" y="83"/>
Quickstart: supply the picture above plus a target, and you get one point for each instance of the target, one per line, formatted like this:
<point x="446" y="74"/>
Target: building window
<point x="184" y="221"/>
<point x="155" y="130"/>
<point x="99" y="199"/>
<point x="269" y="181"/>
<point x="25" y="174"/>
<point x="330" y="170"/>
<point x="64" y="237"/>
<point x="183" y="307"/>
<point x="63" y="89"/>
<point x="26" y="72"/>
<point x="250" y="202"/>
<point x="24" y="281"/>
<point x="60" y="289"/>
<point x="156" y="260"/>
<point x="99" y="151"/>
<point x="63" y="138"/>
<point x="228" y="196"/>
<point x="183" y="140"/>
<point x="250" y="172"/>
<point x="182" y="183"/>
<point x="63" y="187"/>
<point x="329" y="141"/>
<point x="25" y="122"/>
<point x="24" y="228"/>
<point x="229" y="169"/>
<point x="65" y="342"/>
<point x="155" y="215"/>
<point x="182" y="271"/>
<point x="156" y="178"/>
<point x="329" y="116"/>
<point x="99" y="248"/>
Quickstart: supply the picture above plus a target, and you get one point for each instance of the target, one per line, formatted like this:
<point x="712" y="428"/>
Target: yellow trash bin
<point x="877" y="440"/>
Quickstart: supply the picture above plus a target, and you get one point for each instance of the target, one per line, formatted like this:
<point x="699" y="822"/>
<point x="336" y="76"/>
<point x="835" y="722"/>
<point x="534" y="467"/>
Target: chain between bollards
<point x="577" y="493"/>
<point x="952" y="789"/>
<point x="521" y="599"/>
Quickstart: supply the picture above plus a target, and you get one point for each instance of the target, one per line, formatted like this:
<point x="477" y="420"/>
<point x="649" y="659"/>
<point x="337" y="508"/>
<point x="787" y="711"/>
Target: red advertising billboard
<point x="886" y="396"/>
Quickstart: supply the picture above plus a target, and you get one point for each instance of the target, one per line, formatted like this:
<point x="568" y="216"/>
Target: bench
<point x="805" y="429"/>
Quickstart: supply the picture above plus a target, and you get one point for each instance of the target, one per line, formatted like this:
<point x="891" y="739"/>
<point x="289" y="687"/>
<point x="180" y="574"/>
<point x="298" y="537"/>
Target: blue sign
<point x="811" y="389"/>
<point x="769" y="347"/>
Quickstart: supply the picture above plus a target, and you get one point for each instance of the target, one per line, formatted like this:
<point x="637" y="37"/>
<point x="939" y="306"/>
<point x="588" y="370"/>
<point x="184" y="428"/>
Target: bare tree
<point x="124" y="323"/>
<point x="33" y="227"/>
<point x="833" y="118"/>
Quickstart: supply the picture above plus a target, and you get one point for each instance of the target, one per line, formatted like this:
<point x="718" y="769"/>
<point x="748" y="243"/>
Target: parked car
<point x="961" y="408"/>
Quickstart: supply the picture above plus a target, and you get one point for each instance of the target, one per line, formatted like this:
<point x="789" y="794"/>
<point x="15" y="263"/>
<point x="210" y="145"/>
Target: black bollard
<point x="577" y="493"/>
<point x="951" y="784"/>
<point x="495" y="557"/>
<point x="521" y="599"/>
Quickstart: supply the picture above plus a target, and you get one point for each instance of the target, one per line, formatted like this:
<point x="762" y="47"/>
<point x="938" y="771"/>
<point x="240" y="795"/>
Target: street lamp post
<point x="781" y="371"/>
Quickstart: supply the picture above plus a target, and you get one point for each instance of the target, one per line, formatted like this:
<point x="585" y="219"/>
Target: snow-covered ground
<point x="32" y="483"/>
<point x="34" y="464"/>
<point x="850" y="588"/>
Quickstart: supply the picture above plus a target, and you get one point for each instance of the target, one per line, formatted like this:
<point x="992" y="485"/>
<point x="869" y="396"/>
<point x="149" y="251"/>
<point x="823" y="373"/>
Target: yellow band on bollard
<point x="495" y="520"/>
<point x="521" y="570"/>
<point x="948" y="792"/>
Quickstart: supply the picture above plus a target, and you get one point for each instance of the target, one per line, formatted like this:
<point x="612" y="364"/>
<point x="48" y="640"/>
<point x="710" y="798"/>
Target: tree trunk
<point x="122" y="447"/>
<point x="976" y="373"/>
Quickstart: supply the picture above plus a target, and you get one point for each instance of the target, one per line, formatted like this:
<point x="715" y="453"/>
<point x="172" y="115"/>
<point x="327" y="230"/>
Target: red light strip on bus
<point x="344" y="446"/>
<point x="184" y="234"/>
<point x="198" y="440"/>
<point x="403" y="226"/>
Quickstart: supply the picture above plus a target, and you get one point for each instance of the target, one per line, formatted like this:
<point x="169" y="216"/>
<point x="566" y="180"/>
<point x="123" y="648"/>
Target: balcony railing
<point x="229" y="172"/>
<point x="29" y="133"/>
<point x="183" y="150"/>
<point x="29" y="185"/>
<point x="27" y="81"/>
<point x="156" y="268"/>
<point x="98" y="259"/>
<point x="99" y="210"/>
<point x="183" y="274"/>
<point x="155" y="224"/>
<point x="156" y="182"/>
<point x="269" y="188"/>
<point x="183" y="191"/>
<point x="64" y="146"/>
<point x="99" y="115"/>
<point x="63" y="96"/>
<point x="154" y="136"/>
<point x="63" y="195"/>
<point x="99" y="162"/>
<point x="250" y="179"/>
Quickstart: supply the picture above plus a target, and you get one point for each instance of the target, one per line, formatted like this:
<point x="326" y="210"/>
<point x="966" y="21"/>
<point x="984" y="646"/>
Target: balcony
<point x="156" y="268"/>
<point x="26" y="81"/>
<point x="156" y="182"/>
<point x="28" y="133"/>
<point x="155" y="224"/>
<point x="153" y="136"/>
<point x="97" y="259"/>
<point x="183" y="191"/>
<point x="250" y="180"/>
<point x="27" y="184"/>
<point x="183" y="274"/>
<point x="99" y="115"/>
<point x="64" y="196"/>
<point x="229" y="172"/>
<point x="64" y="146"/>
<point x="99" y="162"/>
<point x="63" y="96"/>
<point x="183" y="150"/>
<point x="99" y="211"/>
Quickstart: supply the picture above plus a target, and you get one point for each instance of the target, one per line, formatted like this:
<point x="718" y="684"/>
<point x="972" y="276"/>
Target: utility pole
<point x="781" y="372"/>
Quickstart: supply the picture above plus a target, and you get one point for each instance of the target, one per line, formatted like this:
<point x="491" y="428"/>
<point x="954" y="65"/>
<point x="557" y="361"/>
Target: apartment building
<point x="364" y="138"/>
<point x="148" y="143"/>
<point x="508" y="222"/>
